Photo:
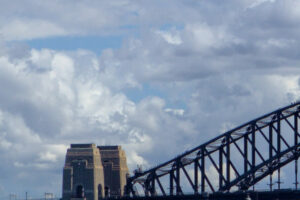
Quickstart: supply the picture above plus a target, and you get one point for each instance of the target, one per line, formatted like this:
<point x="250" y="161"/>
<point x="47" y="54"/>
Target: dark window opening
<point x="100" y="191"/>
<point x="79" y="191"/>
<point x="107" y="191"/>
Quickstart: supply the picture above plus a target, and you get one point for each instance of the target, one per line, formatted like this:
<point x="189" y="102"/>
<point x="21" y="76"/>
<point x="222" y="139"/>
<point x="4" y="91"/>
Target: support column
<point x="202" y="170"/>
<point x="196" y="176"/>
<point x="246" y="153"/>
<point x="278" y="145"/>
<point x="253" y="151"/>
<point x="271" y="152"/>
<point x="178" y="189"/>
<point x="228" y="159"/>
<point x="171" y="182"/>
<point x="220" y="167"/>
<point x="296" y="143"/>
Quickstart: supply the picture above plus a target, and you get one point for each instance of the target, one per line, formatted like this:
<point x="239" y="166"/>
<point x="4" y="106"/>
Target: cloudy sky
<point x="157" y="77"/>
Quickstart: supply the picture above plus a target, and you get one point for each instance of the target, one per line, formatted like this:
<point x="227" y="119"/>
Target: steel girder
<point x="240" y="158"/>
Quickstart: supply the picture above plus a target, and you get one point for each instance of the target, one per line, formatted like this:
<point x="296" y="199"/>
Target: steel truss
<point x="240" y="158"/>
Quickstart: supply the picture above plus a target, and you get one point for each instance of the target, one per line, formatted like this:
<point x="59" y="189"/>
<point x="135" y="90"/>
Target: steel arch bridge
<point x="239" y="158"/>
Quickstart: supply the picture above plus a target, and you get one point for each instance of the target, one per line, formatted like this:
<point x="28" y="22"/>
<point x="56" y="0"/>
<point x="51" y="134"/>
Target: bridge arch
<point x="239" y="158"/>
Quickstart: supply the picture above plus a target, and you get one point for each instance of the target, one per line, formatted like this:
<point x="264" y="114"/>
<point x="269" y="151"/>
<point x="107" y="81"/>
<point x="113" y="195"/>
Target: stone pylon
<point x="115" y="170"/>
<point x="83" y="176"/>
<point x="91" y="173"/>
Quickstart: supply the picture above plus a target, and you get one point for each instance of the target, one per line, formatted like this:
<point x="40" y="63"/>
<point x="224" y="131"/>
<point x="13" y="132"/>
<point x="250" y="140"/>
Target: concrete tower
<point x="83" y="173"/>
<point x="115" y="170"/>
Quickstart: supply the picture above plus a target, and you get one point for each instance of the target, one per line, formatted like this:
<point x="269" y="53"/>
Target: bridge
<point x="230" y="164"/>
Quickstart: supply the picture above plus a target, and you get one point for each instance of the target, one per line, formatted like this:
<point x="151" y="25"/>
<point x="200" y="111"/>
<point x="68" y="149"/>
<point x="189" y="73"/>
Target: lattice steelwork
<point x="238" y="158"/>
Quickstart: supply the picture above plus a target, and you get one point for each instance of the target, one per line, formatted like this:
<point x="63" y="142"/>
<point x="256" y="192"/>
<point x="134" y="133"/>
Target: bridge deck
<point x="284" y="194"/>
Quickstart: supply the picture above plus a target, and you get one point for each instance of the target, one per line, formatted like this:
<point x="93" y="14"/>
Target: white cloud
<point x="259" y="2"/>
<point x="47" y="156"/>
<point x="133" y="159"/>
<point x="219" y="65"/>
<point x="170" y="37"/>
<point x="30" y="29"/>
<point x="178" y="112"/>
<point x="57" y="105"/>
<point x="62" y="67"/>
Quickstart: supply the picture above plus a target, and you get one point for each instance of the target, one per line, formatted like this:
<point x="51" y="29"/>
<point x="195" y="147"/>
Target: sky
<point x="158" y="77"/>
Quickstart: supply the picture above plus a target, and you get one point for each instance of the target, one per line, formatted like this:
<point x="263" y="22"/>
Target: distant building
<point x="83" y="176"/>
<point x="115" y="169"/>
<point x="92" y="172"/>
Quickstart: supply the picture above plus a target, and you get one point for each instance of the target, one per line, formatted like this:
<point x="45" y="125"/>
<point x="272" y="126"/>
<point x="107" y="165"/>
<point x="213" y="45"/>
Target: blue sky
<point x="157" y="77"/>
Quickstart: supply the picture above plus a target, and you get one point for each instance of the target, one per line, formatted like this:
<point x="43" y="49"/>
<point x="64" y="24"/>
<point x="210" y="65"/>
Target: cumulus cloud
<point x="47" y="102"/>
<point x="180" y="77"/>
